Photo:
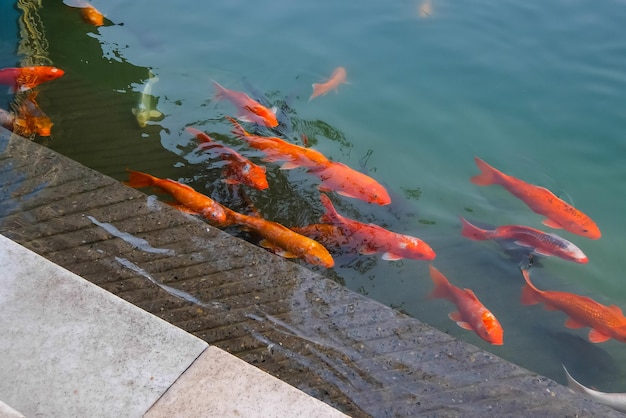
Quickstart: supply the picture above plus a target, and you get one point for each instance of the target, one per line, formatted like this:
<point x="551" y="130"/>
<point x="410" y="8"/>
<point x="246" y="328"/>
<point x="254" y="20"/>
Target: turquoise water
<point x="534" y="88"/>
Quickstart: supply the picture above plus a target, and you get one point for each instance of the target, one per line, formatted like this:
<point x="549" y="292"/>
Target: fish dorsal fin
<point x="289" y="166"/>
<point x="616" y="309"/>
<point x="471" y="293"/>
<point x="596" y="336"/>
<point x="551" y="224"/>
<point x="572" y="323"/>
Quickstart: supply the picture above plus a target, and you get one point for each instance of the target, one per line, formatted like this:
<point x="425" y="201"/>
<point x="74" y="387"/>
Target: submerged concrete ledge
<point x="340" y="347"/>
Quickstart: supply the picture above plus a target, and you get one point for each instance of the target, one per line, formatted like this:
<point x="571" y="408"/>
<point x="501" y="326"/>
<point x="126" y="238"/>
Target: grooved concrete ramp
<point x="334" y="344"/>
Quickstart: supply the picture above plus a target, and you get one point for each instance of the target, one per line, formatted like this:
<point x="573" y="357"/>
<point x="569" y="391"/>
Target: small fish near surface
<point x="336" y="78"/>
<point x="248" y="109"/>
<point x="538" y="242"/>
<point x="285" y="242"/>
<point x="472" y="314"/>
<point x="29" y="119"/>
<point x="88" y="12"/>
<point x="25" y="78"/>
<point x="368" y="238"/>
<point x="616" y="401"/>
<point x="239" y="170"/>
<point x="606" y="322"/>
<point x="558" y="213"/>
<point x="146" y="108"/>
<point x="276" y="149"/>
<point x="194" y="202"/>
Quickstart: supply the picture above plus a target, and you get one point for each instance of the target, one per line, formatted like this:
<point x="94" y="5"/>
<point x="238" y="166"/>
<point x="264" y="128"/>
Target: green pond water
<point x="535" y="88"/>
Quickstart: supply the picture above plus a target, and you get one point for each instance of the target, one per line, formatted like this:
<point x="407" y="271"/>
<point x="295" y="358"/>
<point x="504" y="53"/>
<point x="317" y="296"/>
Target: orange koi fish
<point x="541" y="243"/>
<point x="239" y="169"/>
<point x="348" y="182"/>
<point x="284" y="241"/>
<point x="606" y="322"/>
<point x="277" y="149"/>
<point x="248" y="109"/>
<point x="25" y="78"/>
<point x="194" y="201"/>
<point x="371" y="238"/>
<point x="30" y="119"/>
<point x="472" y="314"/>
<point x="558" y="213"/>
<point x="337" y="77"/>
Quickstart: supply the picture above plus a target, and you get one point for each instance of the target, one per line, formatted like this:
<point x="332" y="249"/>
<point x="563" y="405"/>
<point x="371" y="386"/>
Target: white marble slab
<point x="219" y="384"/>
<point x="70" y="349"/>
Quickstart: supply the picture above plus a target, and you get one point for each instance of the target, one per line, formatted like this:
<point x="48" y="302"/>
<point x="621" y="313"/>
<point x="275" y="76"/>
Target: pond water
<point x="534" y="88"/>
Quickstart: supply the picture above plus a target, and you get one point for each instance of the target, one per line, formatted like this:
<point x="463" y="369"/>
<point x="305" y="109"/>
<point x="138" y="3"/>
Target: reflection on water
<point x="534" y="94"/>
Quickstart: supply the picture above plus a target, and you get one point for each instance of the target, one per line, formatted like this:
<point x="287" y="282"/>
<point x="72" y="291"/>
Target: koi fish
<point x="239" y="169"/>
<point x="193" y="201"/>
<point x="336" y="78"/>
<point x="25" y="78"/>
<point x="472" y="314"/>
<point x="248" y="109"/>
<point x="606" y="322"/>
<point x="558" y="213"/>
<point x="616" y="401"/>
<point x="425" y="8"/>
<point x="30" y="119"/>
<point x="276" y="149"/>
<point x="372" y="239"/>
<point x="146" y="110"/>
<point x="540" y="242"/>
<point x="330" y="236"/>
<point x="284" y="241"/>
<point x="348" y="182"/>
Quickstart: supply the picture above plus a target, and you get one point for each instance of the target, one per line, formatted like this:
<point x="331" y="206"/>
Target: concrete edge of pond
<point x="351" y="352"/>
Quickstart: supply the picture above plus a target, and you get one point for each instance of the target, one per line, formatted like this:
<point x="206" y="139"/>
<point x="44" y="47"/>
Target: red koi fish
<point x="25" y="78"/>
<point x="558" y="213"/>
<point x="30" y="119"/>
<point x="337" y="77"/>
<point x="249" y="110"/>
<point x="239" y="170"/>
<point x="340" y="178"/>
<point x="541" y="243"/>
<point x="194" y="201"/>
<point x="606" y="322"/>
<point x="371" y="238"/>
<point x="277" y="149"/>
<point x="472" y="314"/>
<point x="284" y="241"/>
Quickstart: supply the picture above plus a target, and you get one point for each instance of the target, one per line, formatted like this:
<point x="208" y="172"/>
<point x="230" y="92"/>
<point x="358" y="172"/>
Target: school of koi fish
<point x="335" y="232"/>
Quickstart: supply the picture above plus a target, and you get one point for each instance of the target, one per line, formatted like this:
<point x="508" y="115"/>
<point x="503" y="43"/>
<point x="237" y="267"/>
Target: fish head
<point x="255" y="176"/>
<point x="43" y="126"/>
<point x="587" y="229"/>
<point x="380" y="196"/>
<point x="319" y="255"/>
<point x="92" y="15"/>
<point x="415" y="248"/>
<point x="490" y="329"/>
<point x="46" y="73"/>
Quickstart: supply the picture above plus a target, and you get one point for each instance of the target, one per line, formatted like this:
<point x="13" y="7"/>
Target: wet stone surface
<point x="353" y="353"/>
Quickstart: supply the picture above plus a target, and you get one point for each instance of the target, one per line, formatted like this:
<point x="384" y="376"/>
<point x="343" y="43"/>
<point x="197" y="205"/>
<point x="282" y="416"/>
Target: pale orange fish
<point x="472" y="314"/>
<point x="337" y="77"/>
<point x="249" y="110"/>
<point x="606" y="322"/>
<point x="239" y="169"/>
<point x="558" y="213"/>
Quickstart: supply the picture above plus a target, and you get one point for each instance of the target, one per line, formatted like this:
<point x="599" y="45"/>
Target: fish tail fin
<point x="529" y="292"/>
<point x="573" y="383"/>
<point x="201" y="136"/>
<point x="137" y="179"/>
<point x="488" y="175"/>
<point x="220" y="92"/>
<point x="472" y="231"/>
<point x="442" y="284"/>
<point x="331" y="214"/>
<point x="237" y="128"/>
<point x="318" y="90"/>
